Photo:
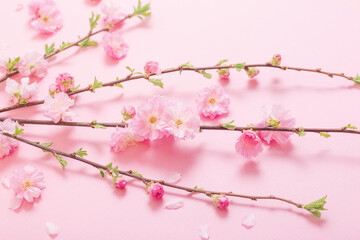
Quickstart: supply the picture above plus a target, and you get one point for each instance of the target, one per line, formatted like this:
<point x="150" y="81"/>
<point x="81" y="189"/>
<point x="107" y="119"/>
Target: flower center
<point x="273" y="123"/>
<point x="179" y="122"/>
<point x="45" y="19"/>
<point x="212" y="101"/>
<point x="153" y="119"/>
<point x="26" y="184"/>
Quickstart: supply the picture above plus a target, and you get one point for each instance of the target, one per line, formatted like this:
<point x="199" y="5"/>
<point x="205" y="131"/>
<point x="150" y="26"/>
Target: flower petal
<point x="15" y="203"/>
<point x="249" y="221"/>
<point x="174" y="178"/>
<point x="51" y="229"/>
<point x="5" y="182"/>
<point x="204" y="232"/>
<point x="174" y="204"/>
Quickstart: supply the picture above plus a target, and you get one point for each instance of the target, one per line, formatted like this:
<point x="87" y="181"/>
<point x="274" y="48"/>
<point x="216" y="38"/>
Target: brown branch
<point x="90" y="34"/>
<point x="148" y="180"/>
<point x="180" y="68"/>
<point x="202" y="127"/>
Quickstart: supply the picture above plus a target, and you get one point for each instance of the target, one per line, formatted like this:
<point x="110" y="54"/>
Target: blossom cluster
<point x="45" y="16"/>
<point x="64" y="82"/>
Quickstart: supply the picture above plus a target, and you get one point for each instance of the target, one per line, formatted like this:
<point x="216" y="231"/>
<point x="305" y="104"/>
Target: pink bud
<point x="252" y="72"/>
<point x="221" y="202"/>
<point x="120" y="183"/>
<point x="224" y="73"/>
<point x="128" y="112"/>
<point x="276" y="60"/>
<point x="156" y="190"/>
<point x="152" y="67"/>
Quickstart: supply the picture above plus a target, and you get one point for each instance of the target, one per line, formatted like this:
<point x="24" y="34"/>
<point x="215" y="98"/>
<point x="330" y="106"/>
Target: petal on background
<point x="174" y="178"/>
<point x="249" y="221"/>
<point x="52" y="229"/>
<point x="18" y="7"/>
<point x="204" y="232"/>
<point x="15" y="203"/>
<point x="174" y="204"/>
<point x="5" y="182"/>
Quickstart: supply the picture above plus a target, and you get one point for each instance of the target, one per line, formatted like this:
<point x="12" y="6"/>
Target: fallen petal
<point x="19" y="7"/>
<point x="174" y="204"/>
<point x="249" y="221"/>
<point x="52" y="229"/>
<point x="174" y="178"/>
<point x="5" y="182"/>
<point x="204" y="232"/>
<point x="15" y="203"/>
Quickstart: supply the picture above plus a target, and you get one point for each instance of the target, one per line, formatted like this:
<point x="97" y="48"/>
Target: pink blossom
<point x="276" y="60"/>
<point x="213" y="102"/>
<point x="112" y="13"/>
<point x="278" y="117"/>
<point x="152" y="67"/>
<point x="21" y="93"/>
<point x="58" y="107"/>
<point x="183" y="122"/>
<point x="224" y="73"/>
<point x="221" y="202"/>
<point x="46" y="18"/>
<point x="149" y="121"/>
<point x="123" y="138"/>
<point x="26" y="183"/>
<point x="33" y="64"/>
<point x="114" y="45"/>
<point x="7" y="145"/>
<point x="120" y="183"/>
<point x="3" y="67"/>
<point x="252" y="72"/>
<point x="128" y="112"/>
<point x="249" y="144"/>
<point x="155" y="190"/>
<point x="65" y="82"/>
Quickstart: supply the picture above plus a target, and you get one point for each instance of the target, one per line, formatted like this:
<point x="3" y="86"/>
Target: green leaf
<point x="119" y="85"/>
<point x="87" y="43"/>
<point x="95" y="85"/>
<point x="324" y="134"/>
<point x="273" y="123"/>
<point x="221" y="62"/>
<point x="61" y="161"/>
<point x="95" y="125"/>
<point x="93" y="21"/>
<point x="132" y="70"/>
<point x="46" y="145"/>
<point x="357" y="79"/>
<point x="75" y="88"/>
<point x="108" y="165"/>
<point x="239" y="66"/>
<point x="101" y="173"/>
<point x="115" y="171"/>
<point x="316" y="207"/>
<point x="206" y="74"/>
<point x="12" y="63"/>
<point x="300" y="132"/>
<point x="49" y="50"/>
<point x="64" y="45"/>
<point x="229" y="125"/>
<point x="18" y="131"/>
<point x="157" y="82"/>
<point x="197" y="188"/>
<point x="142" y="11"/>
<point x="81" y="152"/>
<point x="349" y="126"/>
<point x="137" y="173"/>
<point x="186" y="65"/>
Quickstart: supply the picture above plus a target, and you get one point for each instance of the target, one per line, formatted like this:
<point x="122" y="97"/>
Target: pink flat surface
<point x="307" y="34"/>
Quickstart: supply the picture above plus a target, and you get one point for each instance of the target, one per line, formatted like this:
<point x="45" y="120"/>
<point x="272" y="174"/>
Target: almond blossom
<point x="114" y="45"/>
<point x="152" y="67"/>
<point x="7" y="145"/>
<point x="150" y="122"/>
<point x="21" y="93"/>
<point x="120" y="183"/>
<point x="248" y="144"/>
<point x="65" y="82"/>
<point x="155" y="190"/>
<point x="123" y="138"/>
<point x="279" y="116"/>
<point x="26" y="184"/>
<point x="46" y="18"/>
<point x="58" y="107"/>
<point x="221" y="202"/>
<point x="213" y="102"/>
<point x="112" y="13"/>
<point x="183" y="122"/>
<point x="33" y="64"/>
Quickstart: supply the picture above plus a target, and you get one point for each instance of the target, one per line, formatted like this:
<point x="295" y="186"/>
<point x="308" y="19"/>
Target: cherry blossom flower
<point x="221" y="202"/>
<point x="278" y="117"/>
<point x="114" y="45"/>
<point x="128" y="112"/>
<point x="123" y="138"/>
<point x="276" y="60"/>
<point x="7" y="145"/>
<point x="112" y="13"/>
<point x="26" y="184"/>
<point x="224" y="73"/>
<point x="183" y="122"/>
<point x="33" y="64"/>
<point x="21" y="93"/>
<point x="155" y="190"/>
<point x="3" y="67"/>
<point x="213" y="102"/>
<point x="58" y="107"/>
<point x="65" y="82"/>
<point x="249" y="144"/>
<point x="252" y="72"/>
<point x="152" y="67"/>
<point x="120" y="183"/>
<point x="46" y="18"/>
<point x="149" y="121"/>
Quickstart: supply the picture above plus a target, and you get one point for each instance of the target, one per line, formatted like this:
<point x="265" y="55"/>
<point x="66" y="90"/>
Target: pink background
<point x="306" y="33"/>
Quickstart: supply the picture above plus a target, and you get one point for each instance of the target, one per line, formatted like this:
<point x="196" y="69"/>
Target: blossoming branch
<point x="154" y="187"/>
